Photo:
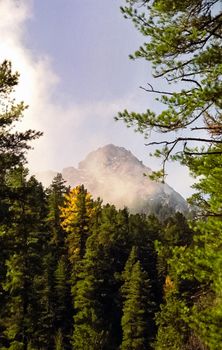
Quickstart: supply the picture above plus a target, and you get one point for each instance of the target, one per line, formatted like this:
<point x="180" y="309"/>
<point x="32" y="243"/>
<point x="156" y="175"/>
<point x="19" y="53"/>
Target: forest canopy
<point x="78" y="274"/>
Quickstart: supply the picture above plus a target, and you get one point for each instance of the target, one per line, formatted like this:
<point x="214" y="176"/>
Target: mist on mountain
<point x="116" y="176"/>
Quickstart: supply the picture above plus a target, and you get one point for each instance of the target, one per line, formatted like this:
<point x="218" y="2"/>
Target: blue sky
<point x="89" y="43"/>
<point x="76" y="75"/>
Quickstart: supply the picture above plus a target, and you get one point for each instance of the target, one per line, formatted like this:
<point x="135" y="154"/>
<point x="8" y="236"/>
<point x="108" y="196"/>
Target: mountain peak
<point x="110" y="157"/>
<point x="117" y="176"/>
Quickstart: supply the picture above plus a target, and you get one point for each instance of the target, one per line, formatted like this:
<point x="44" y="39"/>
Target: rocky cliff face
<point x="117" y="176"/>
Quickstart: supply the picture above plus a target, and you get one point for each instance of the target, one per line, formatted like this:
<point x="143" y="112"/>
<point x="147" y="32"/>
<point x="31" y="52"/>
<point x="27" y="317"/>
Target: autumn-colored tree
<point x="77" y="216"/>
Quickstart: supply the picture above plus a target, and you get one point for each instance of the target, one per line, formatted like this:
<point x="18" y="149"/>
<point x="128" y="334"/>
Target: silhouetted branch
<point x="173" y="69"/>
<point x="180" y="139"/>
<point x="156" y="91"/>
<point x="201" y="153"/>
<point x="192" y="81"/>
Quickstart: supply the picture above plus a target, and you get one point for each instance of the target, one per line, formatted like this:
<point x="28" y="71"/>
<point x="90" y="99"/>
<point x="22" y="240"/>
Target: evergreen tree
<point x="28" y="239"/>
<point x="91" y="326"/>
<point x="58" y="266"/>
<point x="55" y="199"/>
<point x="173" y="332"/>
<point x="13" y="147"/>
<point x="137" y="305"/>
<point x="175" y="233"/>
<point x="98" y="300"/>
<point x="62" y="304"/>
<point x="184" y="45"/>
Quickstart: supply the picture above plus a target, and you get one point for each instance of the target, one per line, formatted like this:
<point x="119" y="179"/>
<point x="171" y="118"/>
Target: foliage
<point x="13" y="145"/>
<point x="137" y="305"/>
<point x="183" y="42"/>
<point x="76" y="215"/>
<point x="75" y="273"/>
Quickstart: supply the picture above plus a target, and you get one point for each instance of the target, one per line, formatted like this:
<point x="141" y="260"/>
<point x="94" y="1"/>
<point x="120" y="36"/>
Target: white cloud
<point x="70" y="131"/>
<point x="66" y="128"/>
<point x="31" y="87"/>
<point x="37" y="79"/>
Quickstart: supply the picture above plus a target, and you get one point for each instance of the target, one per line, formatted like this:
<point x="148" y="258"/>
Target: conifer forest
<point x="76" y="273"/>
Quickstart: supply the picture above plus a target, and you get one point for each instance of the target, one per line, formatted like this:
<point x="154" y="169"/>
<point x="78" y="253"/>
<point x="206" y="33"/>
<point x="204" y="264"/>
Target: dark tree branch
<point x="187" y="75"/>
<point x="200" y="128"/>
<point x="198" y="116"/>
<point x="181" y="139"/>
<point x="173" y="69"/>
<point x="201" y="153"/>
<point x="192" y="81"/>
<point x="179" y="124"/>
<point x="156" y="91"/>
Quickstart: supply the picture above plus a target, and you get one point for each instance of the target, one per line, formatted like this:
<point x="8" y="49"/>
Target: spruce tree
<point x="62" y="303"/>
<point x="98" y="301"/>
<point x="13" y="148"/>
<point x="55" y="198"/>
<point x="137" y="306"/>
<point x="58" y="266"/>
<point x="91" y="327"/>
<point x="23" y="281"/>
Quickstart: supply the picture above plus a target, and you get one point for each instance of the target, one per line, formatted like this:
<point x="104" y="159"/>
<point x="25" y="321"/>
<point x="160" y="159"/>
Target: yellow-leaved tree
<point x="77" y="217"/>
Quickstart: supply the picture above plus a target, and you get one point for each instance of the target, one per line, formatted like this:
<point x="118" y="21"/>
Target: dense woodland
<point x="77" y="274"/>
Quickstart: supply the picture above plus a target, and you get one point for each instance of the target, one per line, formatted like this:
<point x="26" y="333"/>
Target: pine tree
<point x="137" y="305"/>
<point x="184" y="46"/>
<point x="62" y="303"/>
<point x="13" y="147"/>
<point x="28" y="238"/>
<point x="98" y="301"/>
<point x="58" y="266"/>
<point x="173" y="333"/>
<point x="91" y="328"/>
<point x="55" y="199"/>
<point x="183" y="43"/>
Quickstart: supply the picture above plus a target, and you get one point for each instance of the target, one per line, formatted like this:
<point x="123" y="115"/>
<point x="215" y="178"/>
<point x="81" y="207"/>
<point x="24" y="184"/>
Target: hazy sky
<point x="76" y="75"/>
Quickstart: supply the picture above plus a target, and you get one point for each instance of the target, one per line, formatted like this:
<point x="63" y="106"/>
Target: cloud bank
<point x="70" y="131"/>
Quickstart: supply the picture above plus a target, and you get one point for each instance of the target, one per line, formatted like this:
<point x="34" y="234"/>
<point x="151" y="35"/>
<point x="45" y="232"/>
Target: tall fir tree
<point x="28" y="239"/>
<point x="13" y="148"/>
<point x="58" y="266"/>
<point x="137" y="306"/>
<point x="98" y="302"/>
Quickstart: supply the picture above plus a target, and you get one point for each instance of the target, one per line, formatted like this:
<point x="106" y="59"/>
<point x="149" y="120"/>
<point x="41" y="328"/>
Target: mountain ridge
<point x="117" y="176"/>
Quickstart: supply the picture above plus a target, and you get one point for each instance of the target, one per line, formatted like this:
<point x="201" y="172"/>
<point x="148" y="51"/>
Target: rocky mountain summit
<point x="117" y="176"/>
